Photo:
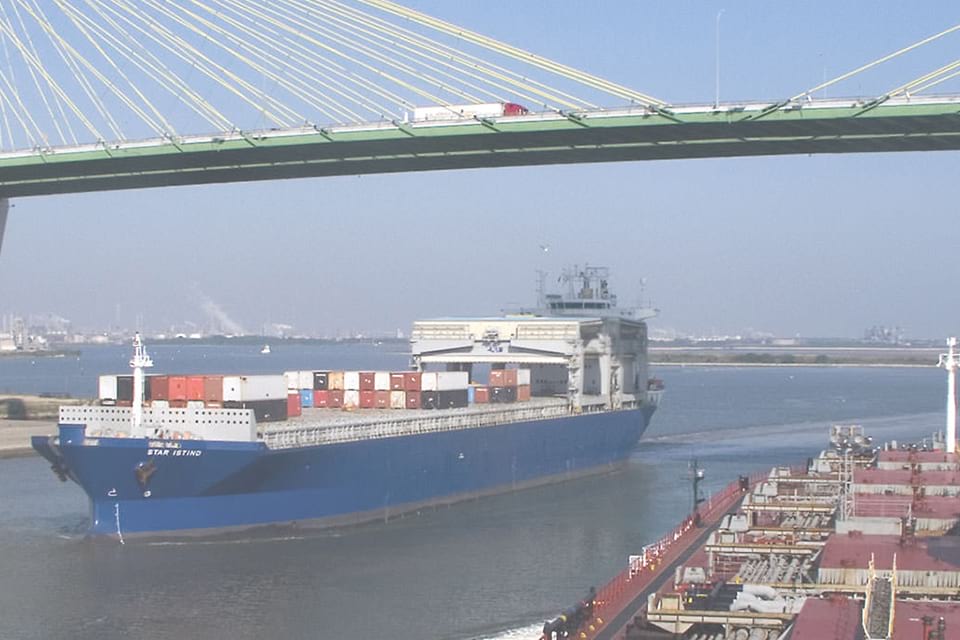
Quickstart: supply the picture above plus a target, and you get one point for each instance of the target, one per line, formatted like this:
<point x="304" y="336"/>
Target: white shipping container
<point x="293" y="380"/>
<point x="231" y="389"/>
<point x="523" y="376"/>
<point x="262" y="388"/>
<point x="398" y="399"/>
<point x="351" y="381"/>
<point x="452" y="380"/>
<point x="306" y="380"/>
<point x="428" y="381"/>
<point x="351" y="398"/>
<point x="108" y="388"/>
<point x="381" y="381"/>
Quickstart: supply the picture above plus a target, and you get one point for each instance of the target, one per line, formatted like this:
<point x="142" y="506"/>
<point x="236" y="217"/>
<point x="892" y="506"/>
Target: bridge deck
<point x="538" y="139"/>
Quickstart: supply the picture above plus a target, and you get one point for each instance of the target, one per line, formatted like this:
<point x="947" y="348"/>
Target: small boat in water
<point x="265" y="349"/>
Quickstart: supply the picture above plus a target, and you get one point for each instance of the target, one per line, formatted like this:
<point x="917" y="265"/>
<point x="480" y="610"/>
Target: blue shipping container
<point x="306" y="398"/>
<point x="471" y="390"/>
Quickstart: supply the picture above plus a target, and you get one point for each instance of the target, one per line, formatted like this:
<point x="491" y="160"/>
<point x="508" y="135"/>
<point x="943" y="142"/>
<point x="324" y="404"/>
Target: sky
<point x="800" y="245"/>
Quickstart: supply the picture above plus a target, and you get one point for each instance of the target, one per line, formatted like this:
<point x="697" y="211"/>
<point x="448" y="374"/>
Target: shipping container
<point x="428" y="381"/>
<point x="320" y="380"/>
<point x="321" y="398"/>
<point x="272" y="410"/>
<point x="429" y="399"/>
<point x="452" y="399"/>
<point x="351" y="398"/>
<point x="481" y="395"/>
<point x="195" y="404"/>
<point x="125" y="389"/>
<point x="178" y="404"/>
<point x="293" y="405"/>
<point x="396" y="382"/>
<point x="523" y="377"/>
<point x="306" y="398"/>
<point x="253" y="388"/>
<point x="452" y="380"/>
<point x="293" y="380"/>
<point x="213" y="391"/>
<point x="381" y="399"/>
<point x="305" y="380"/>
<point x="503" y="394"/>
<point x="381" y="381"/>
<point x="368" y="381"/>
<point x="351" y="381"/>
<point x="471" y="394"/>
<point x="411" y="381"/>
<point x="195" y="388"/>
<point x="335" y="381"/>
<point x="413" y="399"/>
<point x="107" y="388"/>
<point x="177" y="387"/>
<point x="523" y="392"/>
<point x="497" y="377"/>
<point x="398" y="399"/>
<point x="334" y="398"/>
<point x="368" y="398"/>
<point x="159" y="387"/>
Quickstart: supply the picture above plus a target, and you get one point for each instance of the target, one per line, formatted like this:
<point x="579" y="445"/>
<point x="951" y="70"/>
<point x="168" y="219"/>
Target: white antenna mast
<point x="950" y="362"/>
<point x="139" y="360"/>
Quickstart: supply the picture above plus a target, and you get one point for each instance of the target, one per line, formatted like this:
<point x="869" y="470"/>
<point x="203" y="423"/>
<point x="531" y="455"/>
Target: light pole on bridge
<point x="716" y="101"/>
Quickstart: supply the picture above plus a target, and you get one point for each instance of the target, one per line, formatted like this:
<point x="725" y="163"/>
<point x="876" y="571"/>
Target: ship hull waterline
<point x="149" y="489"/>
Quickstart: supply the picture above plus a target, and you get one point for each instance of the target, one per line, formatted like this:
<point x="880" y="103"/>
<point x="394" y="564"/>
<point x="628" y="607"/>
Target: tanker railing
<point x="629" y="583"/>
<point x="313" y="435"/>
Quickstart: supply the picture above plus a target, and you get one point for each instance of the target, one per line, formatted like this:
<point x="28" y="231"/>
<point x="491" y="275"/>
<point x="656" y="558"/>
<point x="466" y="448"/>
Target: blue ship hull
<point x="141" y="487"/>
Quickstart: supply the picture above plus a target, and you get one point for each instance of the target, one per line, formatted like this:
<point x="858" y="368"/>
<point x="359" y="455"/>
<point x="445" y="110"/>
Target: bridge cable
<point x="514" y="52"/>
<point x="293" y="44"/>
<point x="437" y="51"/>
<point x="312" y="97"/>
<point x="154" y="69"/>
<point x="33" y="75"/>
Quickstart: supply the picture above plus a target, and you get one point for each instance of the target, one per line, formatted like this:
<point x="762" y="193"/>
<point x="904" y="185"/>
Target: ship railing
<point x="642" y="570"/>
<point x="324" y="434"/>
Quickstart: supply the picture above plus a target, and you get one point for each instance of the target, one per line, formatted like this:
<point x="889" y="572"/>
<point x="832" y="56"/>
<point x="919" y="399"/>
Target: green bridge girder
<point x="617" y="135"/>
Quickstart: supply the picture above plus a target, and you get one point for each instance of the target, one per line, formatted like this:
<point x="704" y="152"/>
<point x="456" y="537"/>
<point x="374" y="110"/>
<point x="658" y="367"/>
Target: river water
<point x="491" y="568"/>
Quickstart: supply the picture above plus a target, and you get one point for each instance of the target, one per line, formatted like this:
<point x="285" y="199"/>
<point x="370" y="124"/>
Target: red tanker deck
<point x="861" y="544"/>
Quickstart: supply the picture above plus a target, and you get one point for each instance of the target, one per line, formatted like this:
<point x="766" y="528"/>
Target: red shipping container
<point x="293" y="405"/>
<point x="381" y="399"/>
<point x="523" y="393"/>
<point x="411" y="382"/>
<point x="213" y="391"/>
<point x="367" y="398"/>
<point x="178" y="404"/>
<point x="481" y="395"/>
<point x="496" y="377"/>
<point x="413" y="397"/>
<point x="509" y="377"/>
<point x="367" y="382"/>
<point x="396" y="381"/>
<point x="321" y="398"/>
<point x="194" y="387"/>
<point x="177" y="387"/>
<point x="334" y="398"/>
<point x="159" y="388"/>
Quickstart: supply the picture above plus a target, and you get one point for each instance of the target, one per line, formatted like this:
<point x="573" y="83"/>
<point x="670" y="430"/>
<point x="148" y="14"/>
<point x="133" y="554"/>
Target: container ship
<point x="860" y="543"/>
<point x="490" y="405"/>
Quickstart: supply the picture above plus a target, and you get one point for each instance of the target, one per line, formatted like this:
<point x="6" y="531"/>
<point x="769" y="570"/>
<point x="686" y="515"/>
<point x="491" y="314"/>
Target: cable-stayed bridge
<point x="117" y="94"/>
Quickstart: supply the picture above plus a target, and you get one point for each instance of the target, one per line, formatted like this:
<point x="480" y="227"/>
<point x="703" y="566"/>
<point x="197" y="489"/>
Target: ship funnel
<point x="949" y="361"/>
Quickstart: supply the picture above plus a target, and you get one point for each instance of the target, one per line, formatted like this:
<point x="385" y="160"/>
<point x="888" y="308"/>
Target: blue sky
<point x="824" y="245"/>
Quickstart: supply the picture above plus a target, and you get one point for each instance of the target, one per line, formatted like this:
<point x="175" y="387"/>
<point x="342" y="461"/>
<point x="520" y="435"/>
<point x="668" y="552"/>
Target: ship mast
<point x="139" y="360"/>
<point x="950" y="362"/>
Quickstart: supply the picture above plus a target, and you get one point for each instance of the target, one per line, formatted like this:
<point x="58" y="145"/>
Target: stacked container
<point x="506" y="385"/>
